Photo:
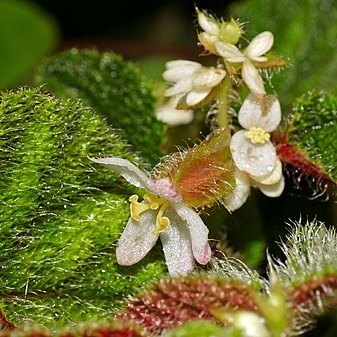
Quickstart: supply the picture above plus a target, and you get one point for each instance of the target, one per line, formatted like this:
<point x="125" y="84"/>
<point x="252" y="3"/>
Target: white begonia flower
<point x="260" y="45"/>
<point x="253" y="153"/>
<point x="271" y="185"/>
<point x="168" y="114"/>
<point x="252" y="150"/>
<point x="163" y="214"/>
<point x="191" y="79"/>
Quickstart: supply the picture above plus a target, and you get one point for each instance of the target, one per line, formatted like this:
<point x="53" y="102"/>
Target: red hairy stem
<point x="170" y="304"/>
<point x="313" y="289"/>
<point x="289" y="153"/>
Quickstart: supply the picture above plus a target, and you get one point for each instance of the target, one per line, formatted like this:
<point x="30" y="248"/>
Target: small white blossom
<point x="253" y="153"/>
<point x="168" y="114"/>
<point x="252" y="150"/>
<point x="271" y="185"/>
<point x="191" y="79"/>
<point x="162" y="214"/>
<point x="254" y="53"/>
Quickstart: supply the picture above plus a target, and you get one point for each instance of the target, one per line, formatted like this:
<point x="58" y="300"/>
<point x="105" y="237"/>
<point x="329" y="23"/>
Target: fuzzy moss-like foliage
<point x="313" y="130"/>
<point x="113" y="87"/>
<point x="60" y="215"/>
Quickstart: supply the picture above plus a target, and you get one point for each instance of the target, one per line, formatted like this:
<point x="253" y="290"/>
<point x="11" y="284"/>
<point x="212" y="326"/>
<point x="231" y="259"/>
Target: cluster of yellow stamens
<point x="152" y="202"/>
<point x="257" y="135"/>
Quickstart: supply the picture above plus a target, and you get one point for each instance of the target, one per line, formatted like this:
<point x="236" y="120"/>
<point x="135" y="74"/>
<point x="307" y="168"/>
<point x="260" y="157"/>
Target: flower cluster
<point x="221" y="169"/>
<point x="194" y="85"/>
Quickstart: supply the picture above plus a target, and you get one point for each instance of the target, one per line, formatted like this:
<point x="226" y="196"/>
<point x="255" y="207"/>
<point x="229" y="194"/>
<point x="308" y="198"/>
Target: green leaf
<point x="201" y="329"/>
<point x="310" y="142"/>
<point x="113" y="87"/>
<point x="59" y="217"/>
<point x="26" y="34"/>
<point x="305" y="33"/>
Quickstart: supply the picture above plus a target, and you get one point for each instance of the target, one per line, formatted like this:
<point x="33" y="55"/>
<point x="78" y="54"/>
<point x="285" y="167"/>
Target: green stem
<point x="225" y="87"/>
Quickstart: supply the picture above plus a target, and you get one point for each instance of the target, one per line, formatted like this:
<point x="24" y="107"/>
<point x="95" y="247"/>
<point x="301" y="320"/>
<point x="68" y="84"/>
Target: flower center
<point x="257" y="135"/>
<point x="153" y="202"/>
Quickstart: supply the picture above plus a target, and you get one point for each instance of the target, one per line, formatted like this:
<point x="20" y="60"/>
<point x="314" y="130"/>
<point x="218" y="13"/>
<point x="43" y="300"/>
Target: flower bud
<point x="230" y="32"/>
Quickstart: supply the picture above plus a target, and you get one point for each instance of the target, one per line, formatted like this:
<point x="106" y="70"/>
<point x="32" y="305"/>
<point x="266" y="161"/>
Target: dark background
<point x="135" y="29"/>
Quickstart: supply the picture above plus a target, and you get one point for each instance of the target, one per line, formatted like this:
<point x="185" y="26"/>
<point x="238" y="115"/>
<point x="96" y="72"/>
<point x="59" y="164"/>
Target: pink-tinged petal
<point x="137" y="239"/>
<point x="260" y="45"/>
<point x="209" y="78"/>
<point x="263" y="112"/>
<point x="274" y="190"/>
<point x="240" y="194"/>
<point x="165" y="189"/>
<point x="130" y="172"/>
<point x="181" y="87"/>
<point x="177" y="247"/>
<point x="252" y="78"/>
<point x="273" y="177"/>
<point x="196" y="96"/>
<point x="229" y="52"/>
<point x="254" y="159"/>
<point x="198" y="233"/>
<point x="207" y="24"/>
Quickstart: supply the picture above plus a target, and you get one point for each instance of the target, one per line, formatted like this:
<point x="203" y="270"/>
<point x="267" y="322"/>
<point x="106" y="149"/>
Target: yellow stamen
<point x="152" y="199"/>
<point x="162" y="222"/>
<point x="257" y="135"/>
<point x="152" y="202"/>
<point x="136" y="207"/>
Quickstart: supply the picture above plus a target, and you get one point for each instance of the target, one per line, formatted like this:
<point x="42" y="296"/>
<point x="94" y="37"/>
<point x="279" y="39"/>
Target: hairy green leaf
<point x="310" y="142"/>
<point x="114" y="88"/>
<point x="60" y="217"/>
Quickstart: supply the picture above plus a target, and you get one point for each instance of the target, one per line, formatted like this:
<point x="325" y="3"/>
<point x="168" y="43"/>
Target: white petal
<point x="182" y="63"/>
<point x="177" y="246"/>
<point x="274" y="190"/>
<point x="137" y="239"/>
<point x="181" y="87"/>
<point x="240" y="194"/>
<point x="260" y="45"/>
<point x="198" y="232"/>
<point x="177" y="73"/>
<point x="229" y="52"/>
<point x="130" y="172"/>
<point x="273" y="177"/>
<point x="196" y="96"/>
<point x="252" y="78"/>
<point x="168" y="114"/>
<point x="263" y="112"/>
<point x="208" y="78"/>
<point x="254" y="159"/>
<point x="207" y="25"/>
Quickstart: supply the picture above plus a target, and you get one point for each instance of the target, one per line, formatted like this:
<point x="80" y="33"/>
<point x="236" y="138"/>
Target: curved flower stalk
<point x="192" y="81"/>
<point x="162" y="214"/>
<point x="253" y="54"/>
